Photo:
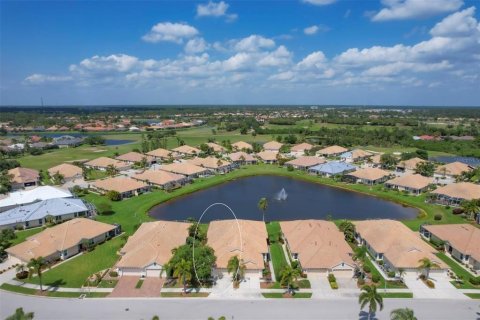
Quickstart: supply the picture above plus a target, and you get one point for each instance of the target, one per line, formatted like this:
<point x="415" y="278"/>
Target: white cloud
<point x="215" y="9"/>
<point x="310" y="30"/>
<point x="172" y="32"/>
<point x="196" y="45"/>
<point x="114" y="62"/>
<point x="458" y="24"/>
<point x="253" y="43"/>
<point x="38" y="78"/>
<point x="280" y="57"/>
<point x="319" y="2"/>
<point x="283" y="76"/>
<point x="414" y="9"/>
<point x="314" y="60"/>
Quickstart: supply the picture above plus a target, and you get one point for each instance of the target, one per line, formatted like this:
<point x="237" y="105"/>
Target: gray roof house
<point x="67" y="141"/>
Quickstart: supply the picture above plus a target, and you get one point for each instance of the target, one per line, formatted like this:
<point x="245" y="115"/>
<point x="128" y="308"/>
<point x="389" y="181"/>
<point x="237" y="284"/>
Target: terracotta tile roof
<point x="209" y="162"/>
<point x="66" y="170"/>
<point x="134" y="157"/>
<point x="410" y="164"/>
<point x="158" y="177"/>
<point x="216" y="147"/>
<point x="23" y="175"/>
<point x="376" y="158"/>
<point x="453" y="169"/>
<point x="268" y="155"/>
<point x="301" y="147"/>
<point x="400" y="245"/>
<point x="413" y="181"/>
<point x="237" y="155"/>
<point x="463" y="237"/>
<point x="369" y="174"/>
<point x="248" y="243"/>
<point x="461" y="190"/>
<point x="119" y="184"/>
<point x="272" y="145"/>
<point x="104" y="162"/>
<point x="183" y="168"/>
<point x="319" y="244"/>
<point x="163" y="153"/>
<point x="331" y="150"/>
<point x="359" y="153"/>
<point x="60" y="237"/>
<point x="153" y="242"/>
<point x="240" y="145"/>
<point x="306" y="161"/>
<point x="187" y="150"/>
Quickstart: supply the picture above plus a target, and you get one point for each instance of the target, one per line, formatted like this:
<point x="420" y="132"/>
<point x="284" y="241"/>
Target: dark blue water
<point x="115" y="142"/>
<point x="471" y="161"/>
<point x="305" y="200"/>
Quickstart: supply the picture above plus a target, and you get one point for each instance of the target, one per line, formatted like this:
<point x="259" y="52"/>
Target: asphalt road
<point x="192" y="308"/>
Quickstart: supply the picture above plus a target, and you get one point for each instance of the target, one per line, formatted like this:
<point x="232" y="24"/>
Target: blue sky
<point x="393" y="52"/>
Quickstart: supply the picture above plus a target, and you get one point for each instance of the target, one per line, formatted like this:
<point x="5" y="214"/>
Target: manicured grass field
<point x="22" y="290"/>
<point x="17" y="289"/>
<point x="278" y="295"/>
<point x="396" y="295"/>
<point x="274" y="231"/>
<point x="459" y="271"/>
<point x="278" y="259"/>
<point x="107" y="284"/>
<point x="24" y="234"/>
<point x="381" y="283"/>
<point x="473" y="295"/>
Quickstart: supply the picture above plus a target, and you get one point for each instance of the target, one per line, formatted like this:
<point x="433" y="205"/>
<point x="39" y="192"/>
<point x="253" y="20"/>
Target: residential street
<point x="191" y="308"/>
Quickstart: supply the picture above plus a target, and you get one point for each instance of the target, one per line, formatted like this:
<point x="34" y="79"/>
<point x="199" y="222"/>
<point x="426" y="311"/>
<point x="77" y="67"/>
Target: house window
<point x="40" y="221"/>
<point x="75" y="214"/>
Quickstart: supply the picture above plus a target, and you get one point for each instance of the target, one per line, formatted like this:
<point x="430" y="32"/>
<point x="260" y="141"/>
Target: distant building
<point x="213" y="164"/>
<point x="454" y="194"/>
<point x="268" y="156"/>
<point x="68" y="171"/>
<point x="187" y="151"/>
<point x="103" y="163"/>
<point x="331" y="151"/>
<point x="67" y="141"/>
<point x="24" y="197"/>
<point x="242" y="146"/>
<point x="300" y="149"/>
<point x="24" y="177"/>
<point x="272" y="146"/>
<point x="163" y="179"/>
<point x="127" y="187"/>
<point x="241" y="158"/>
<point x="369" y="176"/>
<point x="332" y="168"/>
<point x="305" y="162"/>
<point x="411" y="183"/>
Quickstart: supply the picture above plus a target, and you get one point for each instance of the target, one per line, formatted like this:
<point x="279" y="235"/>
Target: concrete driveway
<point x="126" y="287"/>
<point x="321" y="287"/>
<point x="249" y="288"/>
<point x="443" y="288"/>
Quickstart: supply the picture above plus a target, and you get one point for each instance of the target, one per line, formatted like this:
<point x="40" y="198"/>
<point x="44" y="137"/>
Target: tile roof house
<point x="24" y="177"/>
<point x="186" y="150"/>
<point x="64" y="240"/>
<point x="455" y="193"/>
<point x="461" y="241"/>
<point x="135" y="157"/>
<point x="163" y="179"/>
<point x="39" y="213"/>
<point x="332" y="168"/>
<point x="331" y="151"/>
<point x="319" y="246"/>
<point x="216" y="147"/>
<point x="67" y="141"/>
<point x="103" y="163"/>
<point x="150" y="248"/>
<point x="24" y="197"/>
<point x="242" y="146"/>
<point x="268" y="156"/>
<point x="412" y="183"/>
<point x="409" y="165"/>
<point x="368" y="176"/>
<point x="305" y="162"/>
<point x="272" y="146"/>
<point x="187" y="169"/>
<point x="127" y="187"/>
<point x="396" y="245"/>
<point x="355" y="155"/>
<point x="163" y="154"/>
<point x="299" y="149"/>
<point x="213" y="164"/>
<point x="453" y="169"/>
<point x="68" y="171"/>
<point x="246" y="239"/>
<point x="241" y="157"/>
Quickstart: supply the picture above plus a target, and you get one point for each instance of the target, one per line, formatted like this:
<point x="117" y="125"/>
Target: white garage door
<point x="153" y="273"/>
<point x="343" y="273"/>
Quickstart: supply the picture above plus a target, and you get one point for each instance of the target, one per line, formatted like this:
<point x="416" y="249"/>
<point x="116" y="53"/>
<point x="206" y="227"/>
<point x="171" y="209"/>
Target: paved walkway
<point x="443" y="288"/>
<point x="126" y="287"/>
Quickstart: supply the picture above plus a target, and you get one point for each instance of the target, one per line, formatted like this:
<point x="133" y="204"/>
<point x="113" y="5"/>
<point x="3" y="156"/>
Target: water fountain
<point x="282" y="195"/>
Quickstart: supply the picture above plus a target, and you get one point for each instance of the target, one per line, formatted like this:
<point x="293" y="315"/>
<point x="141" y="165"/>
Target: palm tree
<point x="402" y="314"/>
<point x="427" y="264"/>
<point x="360" y="253"/>
<point x="111" y="170"/>
<point x="289" y="276"/>
<point x="20" y="315"/>
<point x="401" y="273"/>
<point x="471" y="208"/>
<point x="237" y="267"/>
<point x="36" y="266"/>
<point x="371" y="297"/>
<point x="263" y="205"/>
<point x="183" y="270"/>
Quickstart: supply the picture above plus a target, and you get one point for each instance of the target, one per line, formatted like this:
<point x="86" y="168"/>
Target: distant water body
<point x="471" y="161"/>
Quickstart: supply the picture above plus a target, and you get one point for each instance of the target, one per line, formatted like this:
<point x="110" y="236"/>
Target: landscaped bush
<point x="430" y="284"/>
<point x="366" y="269"/>
<point x="289" y="167"/>
<point x="475" y="281"/>
<point x="360" y="282"/>
<point x="437" y="217"/>
<point x="375" y="278"/>
<point x="333" y="285"/>
<point x="331" y="278"/>
<point x="457" y="211"/>
<point x="114" y="195"/>
<point x="391" y="274"/>
<point x="22" y="275"/>
<point x="380" y="262"/>
<point x="113" y="274"/>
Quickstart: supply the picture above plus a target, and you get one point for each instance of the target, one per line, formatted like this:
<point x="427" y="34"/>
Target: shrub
<point x="375" y="278"/>
<point x="391" y="274"/>
<point x="22" y="275"/>
<point x="366" y="269"/>
<point x="457" y="211"/>
<point x="361" y="282"/>
<point x="113" y="274"/>
<point x="104" y="208"/>
<point x="430" y="284"/>
<point x="380" y="262"/>
<point x="474" y="280"/>
<point x="113" y="195"/>
<point x="289" y="167"/>
<point x="333" y="285"/>
<point x="331" y="278"/>
<point x="438" y="217"/>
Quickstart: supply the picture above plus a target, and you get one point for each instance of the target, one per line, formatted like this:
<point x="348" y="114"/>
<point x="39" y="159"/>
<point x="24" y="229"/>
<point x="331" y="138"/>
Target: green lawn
<point x="17" y="289"/>
<point x="24" y="234"/>
<point x="274" y="231"/>
<point x="181" y="295"/>
<point x="473" y="295"/>
<point x="277" y="295"/>
<point x="139" y="284"/>
<point x="404" y="295"/>
<point x="381" y="283"/>
<point x="278" y="259"/>
<point x="107" y="284"/>
<point x="459" y="271"/>
<point x="73" y="273"/>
